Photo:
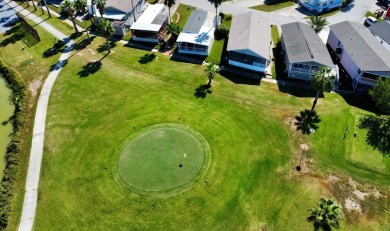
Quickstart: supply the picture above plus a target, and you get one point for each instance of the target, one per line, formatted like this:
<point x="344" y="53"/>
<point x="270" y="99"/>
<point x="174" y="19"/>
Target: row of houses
<point x="363" y="54"/>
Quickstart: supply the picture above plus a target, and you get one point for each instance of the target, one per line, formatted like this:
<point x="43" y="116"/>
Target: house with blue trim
<point x="320" y="5"/>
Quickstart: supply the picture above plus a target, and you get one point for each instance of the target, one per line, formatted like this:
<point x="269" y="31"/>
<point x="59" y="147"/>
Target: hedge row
<point x="14" y="148"/>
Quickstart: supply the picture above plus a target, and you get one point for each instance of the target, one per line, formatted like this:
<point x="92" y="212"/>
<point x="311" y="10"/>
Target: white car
<point x="370" y="21"/>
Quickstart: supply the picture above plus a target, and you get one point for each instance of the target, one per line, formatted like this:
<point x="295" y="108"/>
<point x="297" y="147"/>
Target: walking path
<point x="34" y="167"/>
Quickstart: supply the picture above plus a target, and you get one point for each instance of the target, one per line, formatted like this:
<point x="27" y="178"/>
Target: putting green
<point x="163" y="158"/>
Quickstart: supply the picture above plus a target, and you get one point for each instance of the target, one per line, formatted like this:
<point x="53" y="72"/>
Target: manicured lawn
<point x="184" y="11"/>
<point x="251" y="182"/>
<point x="274" y="5"/>
<point x="217" y="50"/>
<point x="275" y="39"/>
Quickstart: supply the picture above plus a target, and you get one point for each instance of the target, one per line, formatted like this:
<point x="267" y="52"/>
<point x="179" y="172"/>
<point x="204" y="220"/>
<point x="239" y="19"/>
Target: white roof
<point x="204" y="37"/>
<point x="145" y="21"/>
<point x="116" y="15"/>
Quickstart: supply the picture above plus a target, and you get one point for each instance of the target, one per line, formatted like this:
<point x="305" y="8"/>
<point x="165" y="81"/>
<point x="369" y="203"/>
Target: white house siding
<point x="345" y="60"/>
<point x="247" y="66"/>
<point x="385" y="44"/>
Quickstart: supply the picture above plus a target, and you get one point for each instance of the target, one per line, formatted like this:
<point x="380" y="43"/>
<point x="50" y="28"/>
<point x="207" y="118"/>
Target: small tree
<point x="101" y="4"/>
<point x="380" y="94"/>
<point x="173" y="29"/>
<point x="216" y="4"/>
<point x="322" y="80"/>
<point x="105" y="27"/>
<point x="327" y="215"/>
<point x="318" y="23"/>
<point x="68" y="7"/>
<point x="169" y="3"/>
<point x="81" y="5"/>
<point x="211" y="70"/>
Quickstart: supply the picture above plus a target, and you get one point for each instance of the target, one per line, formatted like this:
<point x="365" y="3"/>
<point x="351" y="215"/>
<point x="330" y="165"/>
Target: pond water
<point x="6" y="111"/>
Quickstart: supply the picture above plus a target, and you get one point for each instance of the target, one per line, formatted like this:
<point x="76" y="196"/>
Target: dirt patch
<point x="291" y="122"/>
<point x="90" y="50"/>
<point x="333" y="179"/>
<point x="305" y="147"/>
<point x="34" y="87"/>
<point x="359" y="194"/>
<point x="351" y="205"/>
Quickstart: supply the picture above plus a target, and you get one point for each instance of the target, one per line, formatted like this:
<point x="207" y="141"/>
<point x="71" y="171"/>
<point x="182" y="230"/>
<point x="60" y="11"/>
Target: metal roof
<point x="382" y="29"/>
<point x="362" y="46"/>
<point x="250" y="34"/>
<point x="151" y="19"/>
<point x="195" y="22"/>
<point x="304" y="45"/>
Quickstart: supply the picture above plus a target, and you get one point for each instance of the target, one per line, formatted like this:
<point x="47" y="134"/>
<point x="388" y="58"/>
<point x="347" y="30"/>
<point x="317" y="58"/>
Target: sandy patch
<point x="351" y="205"/>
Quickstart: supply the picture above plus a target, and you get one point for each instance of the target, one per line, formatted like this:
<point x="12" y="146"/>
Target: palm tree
<point x="216" y="3"/>
<point x="169" y="3"/>
<point x="327" y="215"/>
<point x="81" y="5"/>
<point x="68" y="7"/>
<point x="101" y="4"/>
<point x="307" y="120"/>
<point x="322" y="80"/>
<point x="211" y="70"/>
<point x="47" y="8"/>
<point x="93" y="3"/>
<point x="173" y="29"/>
<point x="318" y="23"/>
<point x="105" y="27"/>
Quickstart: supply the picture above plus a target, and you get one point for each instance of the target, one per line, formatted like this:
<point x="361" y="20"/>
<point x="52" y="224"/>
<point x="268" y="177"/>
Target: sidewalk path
<point x="34" y="167"/>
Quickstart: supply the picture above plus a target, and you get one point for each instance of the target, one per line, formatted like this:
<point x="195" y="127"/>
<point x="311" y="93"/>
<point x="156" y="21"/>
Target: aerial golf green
<point x="161" y="158"/>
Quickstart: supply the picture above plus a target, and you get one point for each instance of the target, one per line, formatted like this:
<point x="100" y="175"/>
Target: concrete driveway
<point x="7" y="17"/>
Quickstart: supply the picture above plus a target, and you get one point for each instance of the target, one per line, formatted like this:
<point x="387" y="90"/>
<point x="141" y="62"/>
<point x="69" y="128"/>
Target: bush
<point x="228" y="17"/>
<point x="222" y="15"/>
<point x="346" y="3"/>
<point x="222" y="31"/>
<point x="14" y="148"/>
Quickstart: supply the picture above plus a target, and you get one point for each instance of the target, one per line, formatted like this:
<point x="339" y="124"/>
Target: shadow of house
<point x="298" y="91"/>
<point x="239" y="78"/>
<point x="202" y="91"/>
<point x="90" y="68"/>
<point x="360" y="100"/>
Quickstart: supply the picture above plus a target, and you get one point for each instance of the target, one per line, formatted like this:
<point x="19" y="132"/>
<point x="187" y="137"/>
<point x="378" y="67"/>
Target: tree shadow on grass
<point x="103" y="47"/>
<point x="58" y="65"/>
<point x="307" y="121"/>
<point x="57" y="48"/>
<point x="202" y="91"/>
<point x="147" y="58"/>
<point x="378" y="135"/>
<point x="83" y="43"/>
<point x="90" y="68"/>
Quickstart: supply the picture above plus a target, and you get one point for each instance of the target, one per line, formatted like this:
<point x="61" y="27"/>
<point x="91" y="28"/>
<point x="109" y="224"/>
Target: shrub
<point x="222" y="15"/>
<point x="14" y="148"/>
<point x="222" y="31"/>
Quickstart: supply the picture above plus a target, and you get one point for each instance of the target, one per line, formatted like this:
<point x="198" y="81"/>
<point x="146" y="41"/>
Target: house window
<point x="359" y="71"/>
<point x="331" y="2"/>
<point x="318" y="4"/>
<point x="295" y="65"/>
<point x="306" y="66"/>
<point x="325" y="3"/>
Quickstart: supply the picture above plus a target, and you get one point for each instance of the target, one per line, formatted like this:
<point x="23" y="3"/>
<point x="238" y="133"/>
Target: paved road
<point x="32" y="182"/>
<point x="355" y="12"/>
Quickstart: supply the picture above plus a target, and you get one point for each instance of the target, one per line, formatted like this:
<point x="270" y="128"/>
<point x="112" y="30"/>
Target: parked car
<point x="370" y="21"/>
<point x="385" y="3"/>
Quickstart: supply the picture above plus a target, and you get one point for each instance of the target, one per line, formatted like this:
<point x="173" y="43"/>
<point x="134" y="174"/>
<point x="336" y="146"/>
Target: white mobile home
<point x="249" y="46"/>
<point x="359" y="52"/>
<point x="304" y="52"/>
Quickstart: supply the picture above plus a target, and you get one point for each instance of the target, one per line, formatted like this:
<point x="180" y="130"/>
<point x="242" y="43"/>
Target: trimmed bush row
<point x="14" y="148"/>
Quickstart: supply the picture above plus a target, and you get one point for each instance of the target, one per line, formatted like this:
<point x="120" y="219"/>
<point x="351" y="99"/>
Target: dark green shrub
<point x="221" y="32"/>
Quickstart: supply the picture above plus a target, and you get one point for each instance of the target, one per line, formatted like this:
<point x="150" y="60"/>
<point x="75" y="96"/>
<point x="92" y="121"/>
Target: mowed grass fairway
<point x="162" y="158"/>
<point x="251" y="182"/>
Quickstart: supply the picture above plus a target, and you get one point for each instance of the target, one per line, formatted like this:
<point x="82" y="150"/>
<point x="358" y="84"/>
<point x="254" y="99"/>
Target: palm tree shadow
<point x="58" y="47"/>
<point x="90" y="68"/>
<point x="103" y="47"/>
<point x="307" y="121"/>
<point x="147" y="58"/>
<point x="202" y="91"/>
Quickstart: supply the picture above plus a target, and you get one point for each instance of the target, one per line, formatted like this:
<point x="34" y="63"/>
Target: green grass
<point x="250" y="183"/>
<point x="275" y="39"/>
<point x="364" y="155"/>
<point x="162" y="158"/>
<point x="7" y="111"/>
<point x="184" y="11"/>
<point x="272" y="6"/>
<point x="373" y="15"/>
<point x="217" y="50"/>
